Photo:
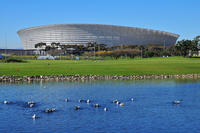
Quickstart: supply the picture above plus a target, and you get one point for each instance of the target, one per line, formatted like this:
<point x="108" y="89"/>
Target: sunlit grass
<point x="137" y="66"/>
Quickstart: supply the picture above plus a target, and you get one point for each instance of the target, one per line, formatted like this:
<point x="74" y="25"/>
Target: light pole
<point x="94" y="49"/>
<point x="164" y="48"/>
<point x="5" y="45"/>
<point x="164" y="43"/>
<point x="198" y="46"/>
<point x="94" y="53"/>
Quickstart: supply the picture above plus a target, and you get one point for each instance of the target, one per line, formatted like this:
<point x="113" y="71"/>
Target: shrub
<point x="9" y="60"/>
<point x="149" y="54"/>
<point x="120" y="53"/>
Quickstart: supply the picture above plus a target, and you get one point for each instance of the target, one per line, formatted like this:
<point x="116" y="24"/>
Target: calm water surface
<point x="151" y="112"/>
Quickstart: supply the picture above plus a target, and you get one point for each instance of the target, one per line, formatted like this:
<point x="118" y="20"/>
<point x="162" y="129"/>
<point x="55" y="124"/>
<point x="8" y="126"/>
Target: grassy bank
<point x="137" y="66"/>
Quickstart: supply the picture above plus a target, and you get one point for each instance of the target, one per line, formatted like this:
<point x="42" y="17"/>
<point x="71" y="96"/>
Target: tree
<point x="93" y="46"/>
<point x="40" y="46"/>
<point x="184" y="46"/>
<point x="173" y="51"/>
<point x="196" y="42"/>
<point x="141" y="47"/>
<point x="55" y="45"/>
<point x="197" y="38"/>
<point x="53" y="49"/>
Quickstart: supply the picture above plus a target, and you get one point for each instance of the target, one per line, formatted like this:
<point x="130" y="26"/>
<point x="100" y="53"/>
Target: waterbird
<point x="105" y="109"/>
<point x="66" y="100"/>
<point x="34" y="116"/>
<point x="88" y="101"/>
<point x="176" y="102"/>
<point x="121" y="104"/>
<point x="31" y="105"/>
<point x="115" y="101"/>
<point x="50" y="110"/>
<point x="132" y="99"/>
<point x="81" y="100"/>
<point x="77" y="107"/>
<point x="6" y="102"/>
<point x="118" y="102"/>
<point x="96" y="105"/>
<point x="31" y="102"/>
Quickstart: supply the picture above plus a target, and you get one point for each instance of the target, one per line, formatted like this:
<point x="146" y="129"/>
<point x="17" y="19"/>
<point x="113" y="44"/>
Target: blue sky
<point x="177" y="16"/>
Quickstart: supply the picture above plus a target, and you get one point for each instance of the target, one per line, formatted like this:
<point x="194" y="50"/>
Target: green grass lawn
<point x="137" y="66"/>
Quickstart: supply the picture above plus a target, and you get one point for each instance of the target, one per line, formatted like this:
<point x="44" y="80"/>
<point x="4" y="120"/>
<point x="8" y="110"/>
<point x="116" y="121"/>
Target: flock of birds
<point x="50" y="110"/>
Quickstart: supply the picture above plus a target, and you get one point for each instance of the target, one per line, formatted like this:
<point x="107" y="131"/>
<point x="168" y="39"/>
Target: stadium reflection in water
<point x="151" y="111"/>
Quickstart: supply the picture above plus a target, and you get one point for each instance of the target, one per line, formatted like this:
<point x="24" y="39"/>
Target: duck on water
<point x="50" y="110"/>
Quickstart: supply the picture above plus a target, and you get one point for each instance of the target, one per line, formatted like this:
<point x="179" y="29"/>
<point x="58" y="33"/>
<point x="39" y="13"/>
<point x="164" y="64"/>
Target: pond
<point x="151" y="111"/>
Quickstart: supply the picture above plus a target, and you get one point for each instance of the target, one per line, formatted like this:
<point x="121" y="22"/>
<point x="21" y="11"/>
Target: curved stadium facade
<point x="70" y="34"/>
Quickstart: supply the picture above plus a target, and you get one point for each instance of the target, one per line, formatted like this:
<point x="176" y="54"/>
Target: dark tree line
<point x="57" y="48"/>
<point x="181" y="48"/>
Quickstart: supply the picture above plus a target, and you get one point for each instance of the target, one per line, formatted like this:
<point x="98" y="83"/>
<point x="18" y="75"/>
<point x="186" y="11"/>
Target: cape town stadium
<point x="81" y="34"/>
